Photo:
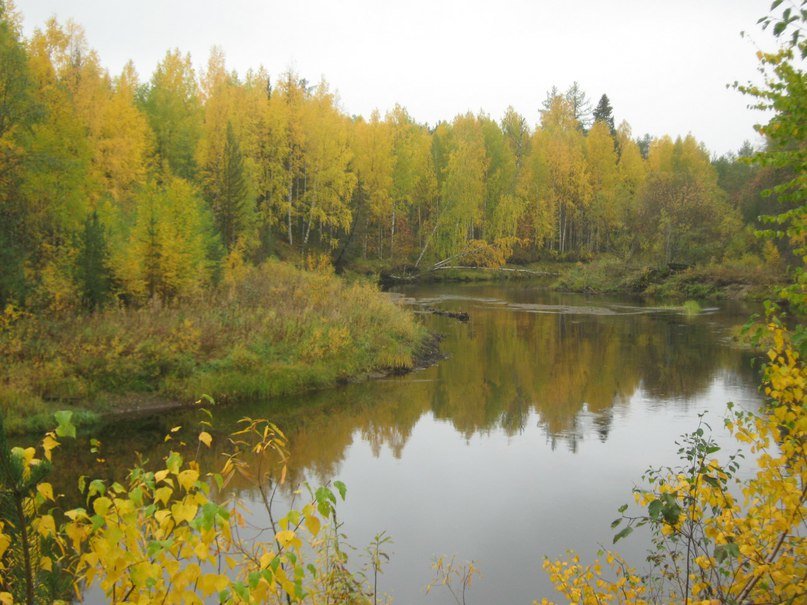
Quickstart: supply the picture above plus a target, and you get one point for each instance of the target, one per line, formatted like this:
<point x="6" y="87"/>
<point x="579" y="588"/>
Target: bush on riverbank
<point x="747" y="277"/>
<point x="278" y="330"/>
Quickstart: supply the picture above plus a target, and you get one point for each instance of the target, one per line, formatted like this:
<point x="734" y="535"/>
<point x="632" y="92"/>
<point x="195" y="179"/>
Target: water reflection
<point x="545" y="396"/>
<point x="514" y="358"/>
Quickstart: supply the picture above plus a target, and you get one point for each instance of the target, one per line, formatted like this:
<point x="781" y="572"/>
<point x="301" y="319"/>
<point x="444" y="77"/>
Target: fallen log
<point x="459" y="315"/>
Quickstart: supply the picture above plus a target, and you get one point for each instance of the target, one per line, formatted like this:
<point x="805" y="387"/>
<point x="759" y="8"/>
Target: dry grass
<point x="278" y="331"/>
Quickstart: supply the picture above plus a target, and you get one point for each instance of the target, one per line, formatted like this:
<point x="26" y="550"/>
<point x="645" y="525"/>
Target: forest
<point x="120" y="190"/>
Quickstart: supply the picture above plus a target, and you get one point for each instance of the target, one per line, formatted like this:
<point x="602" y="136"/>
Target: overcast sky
<point x="663" y="63"/>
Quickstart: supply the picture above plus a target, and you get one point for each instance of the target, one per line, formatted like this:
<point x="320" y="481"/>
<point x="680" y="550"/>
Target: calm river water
<point x="521" y="444"/>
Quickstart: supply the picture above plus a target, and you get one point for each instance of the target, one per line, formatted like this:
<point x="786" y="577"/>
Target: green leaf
<point x="66" y="427"/>
<point x="711" y="481"/>
<point x="623" y="508"/>
<point x="623" y="534"/>
<point x="96" y="487"/>
<point x="671" y="512"/>
<point x="341" y="488"/>
<point x="654" y="510"/>
<point x="724" y="551"/>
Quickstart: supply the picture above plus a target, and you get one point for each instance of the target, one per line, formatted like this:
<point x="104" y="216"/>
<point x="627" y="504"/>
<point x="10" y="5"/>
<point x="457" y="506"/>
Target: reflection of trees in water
<point x="509" y="364"/>
<point x="502" y="367"/>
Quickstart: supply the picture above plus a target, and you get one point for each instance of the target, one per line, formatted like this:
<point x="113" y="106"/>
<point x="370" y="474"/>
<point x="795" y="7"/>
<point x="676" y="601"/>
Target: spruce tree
<point x="231" y="192"/>
<point x="93" y="264"/>
<point x="604" y="113"/>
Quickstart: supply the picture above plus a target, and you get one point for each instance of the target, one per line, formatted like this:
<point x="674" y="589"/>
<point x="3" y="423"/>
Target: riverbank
<point x="278" y="331"/>
<point x="610" y="275"/>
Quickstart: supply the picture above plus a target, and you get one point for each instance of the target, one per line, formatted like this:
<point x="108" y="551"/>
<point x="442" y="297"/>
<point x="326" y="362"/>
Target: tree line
<point x="113" y="188"/>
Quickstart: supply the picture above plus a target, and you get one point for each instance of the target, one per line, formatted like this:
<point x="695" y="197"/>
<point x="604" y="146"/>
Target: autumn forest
<point x="118" y="187"/>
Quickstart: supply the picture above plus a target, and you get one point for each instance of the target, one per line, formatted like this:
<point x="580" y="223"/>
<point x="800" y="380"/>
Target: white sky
<point x="663" y="63"/>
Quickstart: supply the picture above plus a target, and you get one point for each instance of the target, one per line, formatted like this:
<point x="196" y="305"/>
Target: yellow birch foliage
<point x="161" y="536"/>
<point x="326" y="159"/>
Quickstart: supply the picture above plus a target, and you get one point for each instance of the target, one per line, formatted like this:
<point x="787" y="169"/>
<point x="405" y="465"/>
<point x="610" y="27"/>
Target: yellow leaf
<point x="5" y="541"/>
<point x="210" y="583"/>
<point x="161" y="516"/>
<point x="313" y="524"/>
<point x="287" y="537"/>
<point x="46" y="490"/>
<point x="184" y="511"/>
<point x="75" y="514"/>
<point x="201" y="551"/>
<point x="266" y="558"/>
<point x="160" y="475"/>
<point x="46" y="564"/>
<point x="48" y="444"/>
<point x="46" y="526"/>
<point x="101" y="505"/>
<point x="205" y="438"/>
<point x="6" y="598"/>
<point x="188" y="478"/>
<point x="162" y="494"/>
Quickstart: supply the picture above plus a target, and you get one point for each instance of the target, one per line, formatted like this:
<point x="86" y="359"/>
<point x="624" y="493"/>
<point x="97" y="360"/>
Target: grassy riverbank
<point x="750" y="281"/>
<point x="278" y="331"/>
<point x="742" y="280"/>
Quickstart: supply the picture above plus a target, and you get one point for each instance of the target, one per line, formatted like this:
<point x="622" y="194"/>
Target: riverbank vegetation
<point x="744" y="278"/>
<point x="275" y="330"/>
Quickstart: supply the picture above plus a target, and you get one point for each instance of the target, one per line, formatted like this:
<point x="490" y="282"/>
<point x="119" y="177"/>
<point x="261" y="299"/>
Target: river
<point x="521" y="444"/>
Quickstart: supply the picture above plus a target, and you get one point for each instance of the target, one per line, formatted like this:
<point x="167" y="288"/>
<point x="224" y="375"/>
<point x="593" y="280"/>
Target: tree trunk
<point x="392" y="240"/>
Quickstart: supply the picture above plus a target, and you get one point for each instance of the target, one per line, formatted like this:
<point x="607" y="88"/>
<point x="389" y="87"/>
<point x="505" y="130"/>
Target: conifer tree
<point x="92" y="268"/>
<point x="581" y="106"/>
<point x="605" y="113"/>
<point x="229" y="192"/>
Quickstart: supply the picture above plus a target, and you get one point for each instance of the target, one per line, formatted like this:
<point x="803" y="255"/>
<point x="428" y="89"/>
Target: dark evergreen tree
<point x="230" y="192"/>
<point x="605" y="113"/>
<point x="94" y="277"/>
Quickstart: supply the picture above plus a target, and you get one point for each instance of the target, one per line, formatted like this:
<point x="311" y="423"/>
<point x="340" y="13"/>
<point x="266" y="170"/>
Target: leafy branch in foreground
<point x="168" y="535"/>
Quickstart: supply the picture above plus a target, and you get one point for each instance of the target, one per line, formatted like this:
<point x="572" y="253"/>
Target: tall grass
<point x="277" y="331"/>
